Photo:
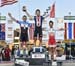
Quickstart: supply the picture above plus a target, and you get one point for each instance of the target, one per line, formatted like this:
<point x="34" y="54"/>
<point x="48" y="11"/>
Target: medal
<point x="38" y="21"/>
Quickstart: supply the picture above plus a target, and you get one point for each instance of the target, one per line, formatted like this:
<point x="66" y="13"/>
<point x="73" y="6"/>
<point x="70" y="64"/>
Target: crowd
<point x="8" y="54"/>
<point x="5" y="53"/>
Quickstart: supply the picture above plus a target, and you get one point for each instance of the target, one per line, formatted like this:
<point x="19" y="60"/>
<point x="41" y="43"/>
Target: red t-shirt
<point x="52" y="40"/>
<point x="7" y="52"/>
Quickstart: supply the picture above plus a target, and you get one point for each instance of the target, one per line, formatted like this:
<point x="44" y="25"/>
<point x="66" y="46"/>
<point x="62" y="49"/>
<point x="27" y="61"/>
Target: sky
<point x="63" y="7"/>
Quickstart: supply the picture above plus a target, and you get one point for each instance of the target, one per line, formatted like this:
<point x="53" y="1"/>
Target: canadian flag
<point x="52" y="11"/>
<point x="7" y="2"/>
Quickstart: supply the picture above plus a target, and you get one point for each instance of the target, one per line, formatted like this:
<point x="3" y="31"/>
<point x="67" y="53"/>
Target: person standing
<point x="12" y="52"/>
<point x="2" y="54"/>
<point x="24" y="24"/>
<point x="38" y="23"/>
<point x="52" y="39"/>
<point x="17" y="52"/>
<point x="7" y="53"/>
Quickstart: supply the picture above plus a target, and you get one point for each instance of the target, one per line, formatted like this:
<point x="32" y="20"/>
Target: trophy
<point x="24" y="8"/>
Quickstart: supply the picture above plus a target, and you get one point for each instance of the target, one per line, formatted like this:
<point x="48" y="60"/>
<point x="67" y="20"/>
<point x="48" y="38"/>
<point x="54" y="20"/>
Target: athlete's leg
<point x="51" y="49"/>
<point x="40" y="39"/>
<point x="35" y="37"/>
<point x="40" y="36"/>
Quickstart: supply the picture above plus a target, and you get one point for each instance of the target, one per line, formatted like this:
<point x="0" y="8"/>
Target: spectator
<point x="12" y="52"/>
<point x="7" y="53"/>
<point x="2" y="54"/>
<point x="17" y="52"/>
<point x="21" y="52"/>
<point x="25" y="52"/>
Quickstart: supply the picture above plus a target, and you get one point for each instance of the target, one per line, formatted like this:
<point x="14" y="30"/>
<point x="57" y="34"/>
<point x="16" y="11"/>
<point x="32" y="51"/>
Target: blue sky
<point x="62" y="7"/>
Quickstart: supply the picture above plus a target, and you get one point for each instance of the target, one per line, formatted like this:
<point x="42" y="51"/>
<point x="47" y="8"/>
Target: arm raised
<point x="9" y="14"/>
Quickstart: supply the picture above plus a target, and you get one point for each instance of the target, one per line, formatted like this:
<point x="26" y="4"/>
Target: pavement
<point x="65" y="63"/>
<point x="6" y="63"/>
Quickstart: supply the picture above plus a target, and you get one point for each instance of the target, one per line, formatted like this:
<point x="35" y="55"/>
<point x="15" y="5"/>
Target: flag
<point x="31" y="32"/>
<point x="52" y="11"/>
<point x="70" y="31"/>
<point x="2" y="31"/>
<point x="7" y="2"/>
<point x="2" y="35"/>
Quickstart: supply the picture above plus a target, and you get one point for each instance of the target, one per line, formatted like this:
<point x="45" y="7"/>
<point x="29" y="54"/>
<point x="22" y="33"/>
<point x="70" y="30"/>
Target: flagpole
<point x="19" y="19"/>
<point x="19" y="10"/>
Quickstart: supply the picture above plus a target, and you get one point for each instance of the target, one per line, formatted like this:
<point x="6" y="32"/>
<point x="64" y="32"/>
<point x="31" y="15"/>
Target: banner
<point x="10" y="31"/>
<point x="2" y="18"/>
<point x="52" y="11"/>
